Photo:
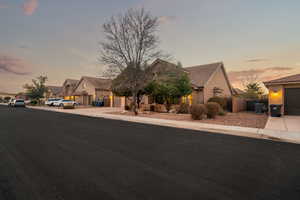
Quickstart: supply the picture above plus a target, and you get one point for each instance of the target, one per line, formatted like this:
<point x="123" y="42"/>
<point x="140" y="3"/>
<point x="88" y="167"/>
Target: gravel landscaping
<point x="243" y="119"/>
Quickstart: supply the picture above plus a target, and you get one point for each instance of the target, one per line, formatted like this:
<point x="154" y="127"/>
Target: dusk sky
<point x="59" y="38"/>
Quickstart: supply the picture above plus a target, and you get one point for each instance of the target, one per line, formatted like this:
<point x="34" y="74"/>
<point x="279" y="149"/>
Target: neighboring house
<point x="286" y="92"/>
<point x="91" y="89"/>
<point x="5" y="94"/>
<point x="68" y="89"/>
<point x="207" y="80"/>
<point x="53" y="92"/>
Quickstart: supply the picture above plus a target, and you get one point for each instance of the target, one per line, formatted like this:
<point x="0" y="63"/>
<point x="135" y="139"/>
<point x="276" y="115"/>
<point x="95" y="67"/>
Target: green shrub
<point x="222" y="112"/>
<point x="212" y="109"/>
<point x="183" y="108"/>
<point x="33" y="102"/>
<point x="222" y="101"/>
<point x="197" y="111"/>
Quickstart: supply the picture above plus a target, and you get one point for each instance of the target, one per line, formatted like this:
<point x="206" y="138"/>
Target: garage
<point x="285" y="91"/>
<point x="292" y="101"/>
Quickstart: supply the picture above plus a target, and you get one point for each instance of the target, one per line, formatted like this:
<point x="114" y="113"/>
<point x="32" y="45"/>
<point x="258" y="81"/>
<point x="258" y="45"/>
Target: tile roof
<point x="99" y="83"/>
<point x="199" y="75"/>
<point x="55" y="89"/>
<point x="284" y="80"/>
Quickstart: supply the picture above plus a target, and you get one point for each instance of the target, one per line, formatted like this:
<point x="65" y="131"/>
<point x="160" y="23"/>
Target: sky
<point x="60" y="38"/>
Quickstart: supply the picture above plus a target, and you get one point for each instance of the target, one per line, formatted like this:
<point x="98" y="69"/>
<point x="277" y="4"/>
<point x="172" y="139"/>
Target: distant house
<point x="53" y="92"/>
<point x="286" y="92"/>
<point x="91" y="89"/>
<point x="4" y="95"/>
<point x="68" y="89"/>
<point x="207" y="80"/>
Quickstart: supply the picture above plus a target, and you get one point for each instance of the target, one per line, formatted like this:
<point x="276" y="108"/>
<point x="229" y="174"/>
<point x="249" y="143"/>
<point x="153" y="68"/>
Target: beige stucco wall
<point x="87" y="87"/>
<point x="217" y="80"/>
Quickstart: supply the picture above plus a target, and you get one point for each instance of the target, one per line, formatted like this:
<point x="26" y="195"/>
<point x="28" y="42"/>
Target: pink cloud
<point x="259" y="74"/>
<point x="30" y="6"/>
<point x="13" y="65"/>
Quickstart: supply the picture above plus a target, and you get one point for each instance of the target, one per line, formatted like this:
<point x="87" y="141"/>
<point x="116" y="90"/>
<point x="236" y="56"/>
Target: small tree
<point x="130" y="42"/>
<point x="253" y="91"/>
<point x="168" y="90"/>
<point x="36" y="90"/>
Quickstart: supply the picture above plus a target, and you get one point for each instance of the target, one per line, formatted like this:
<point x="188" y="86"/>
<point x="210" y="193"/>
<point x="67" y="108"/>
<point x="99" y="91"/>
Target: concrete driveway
<point x="286" y="123"/>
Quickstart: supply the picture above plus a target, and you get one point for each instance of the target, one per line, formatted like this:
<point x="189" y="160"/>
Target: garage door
<point x="292" y="101"/>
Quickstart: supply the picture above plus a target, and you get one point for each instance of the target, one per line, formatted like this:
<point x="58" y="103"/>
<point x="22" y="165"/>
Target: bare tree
<point x="130" y="43"/>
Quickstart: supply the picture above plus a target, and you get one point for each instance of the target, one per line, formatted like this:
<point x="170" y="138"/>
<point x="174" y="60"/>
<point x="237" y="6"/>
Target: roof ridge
<point x="203" y="65"/>
<point x="285" y="78"/>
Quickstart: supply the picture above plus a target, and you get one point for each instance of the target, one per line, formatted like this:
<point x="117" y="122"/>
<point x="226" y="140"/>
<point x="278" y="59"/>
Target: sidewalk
<point x="214" y="128"/>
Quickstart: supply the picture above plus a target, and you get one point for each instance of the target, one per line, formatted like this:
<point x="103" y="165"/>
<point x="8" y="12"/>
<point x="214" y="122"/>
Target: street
<point x="47" y="155"/>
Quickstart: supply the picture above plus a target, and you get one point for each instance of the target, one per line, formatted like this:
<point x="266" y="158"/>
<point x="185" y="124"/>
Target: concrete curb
<point x="213" y="128"/>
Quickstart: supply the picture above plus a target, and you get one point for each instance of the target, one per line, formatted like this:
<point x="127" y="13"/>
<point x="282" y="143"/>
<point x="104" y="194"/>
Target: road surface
<point x="46" y="155"/>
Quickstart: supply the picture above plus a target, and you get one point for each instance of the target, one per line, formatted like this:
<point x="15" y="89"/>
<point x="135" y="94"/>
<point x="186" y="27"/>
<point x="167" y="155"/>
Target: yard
<point x="243" y="119"/>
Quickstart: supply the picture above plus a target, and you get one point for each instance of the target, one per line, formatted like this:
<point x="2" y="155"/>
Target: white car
<point x="65" y="103"/>
<point x="17" y="103"/>
<point x="53" y="102"/>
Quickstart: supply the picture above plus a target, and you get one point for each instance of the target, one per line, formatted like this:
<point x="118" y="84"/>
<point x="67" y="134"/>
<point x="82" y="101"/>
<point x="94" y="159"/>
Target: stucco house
<point x="90" y="89"/>
<point x="68" y="89"/>
<point x="207" y="80"/>
<point x="286" y="92"/>
<point x="53" y="92"/>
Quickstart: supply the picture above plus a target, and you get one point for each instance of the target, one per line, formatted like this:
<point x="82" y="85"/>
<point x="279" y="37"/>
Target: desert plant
<point x="222" y="101"/>
<point x="183" y="108"/>
<point x="197" y="111"/>
<point x="213" y="109"/>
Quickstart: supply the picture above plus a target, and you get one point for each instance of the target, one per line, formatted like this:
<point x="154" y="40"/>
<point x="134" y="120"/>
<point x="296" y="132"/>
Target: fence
<point x="238" y="104"/>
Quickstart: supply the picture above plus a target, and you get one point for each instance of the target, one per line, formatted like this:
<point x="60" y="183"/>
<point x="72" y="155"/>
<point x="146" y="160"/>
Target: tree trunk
<point x="134" y="107"/>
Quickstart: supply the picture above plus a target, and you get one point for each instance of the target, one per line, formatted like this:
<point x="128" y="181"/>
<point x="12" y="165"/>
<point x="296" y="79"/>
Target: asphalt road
<point x="46" y="155"/>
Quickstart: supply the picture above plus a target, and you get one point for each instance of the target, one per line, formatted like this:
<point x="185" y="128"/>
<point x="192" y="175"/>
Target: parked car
<point x="17" y="103"/>
<point x="67" y="104"/>
<point x="53" y="102"/>
<point x="10" y="102"/>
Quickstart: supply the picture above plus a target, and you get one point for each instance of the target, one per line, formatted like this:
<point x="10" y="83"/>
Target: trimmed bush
<point x="222" y="101"/>
<point x="127" y="107"/>
<point x="161" y="108"/>
<point x="33" y="102"/>
<point x="183" y="108"/>
<point x="222" y="112"/>
<point x="197" y="111"/>
<point x="212" y="109"/>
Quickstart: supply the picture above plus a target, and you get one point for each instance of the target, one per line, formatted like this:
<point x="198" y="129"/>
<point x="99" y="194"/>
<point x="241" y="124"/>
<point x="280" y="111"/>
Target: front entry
<point x="86" y="100"/>
<point x="292" y="101"/>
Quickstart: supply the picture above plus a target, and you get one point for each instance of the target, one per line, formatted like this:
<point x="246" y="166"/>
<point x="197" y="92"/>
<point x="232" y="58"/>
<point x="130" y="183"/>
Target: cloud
<point x="261" y="74"/>
<point x="166" y="19"/>
<point x="13" y="65"/>
<point x="30" y="6"/>
<point x="24" y="46"/>
<point x="3" y="6"/>
<point x="257" y="60"/>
